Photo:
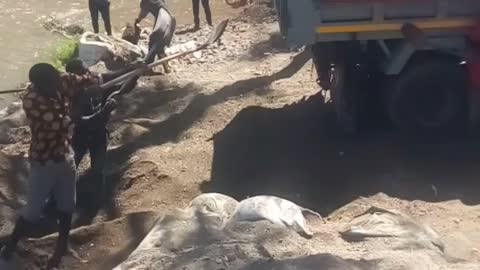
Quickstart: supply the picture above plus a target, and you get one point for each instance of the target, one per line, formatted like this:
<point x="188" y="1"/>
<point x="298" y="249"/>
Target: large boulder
<point x="132" y="33"/>
<point x="276" y="210"/>
<point x="115" y="52"/>
<point x="377" y="222"/>
<point x="214" y="225"/>
<point x="12" y="124"/>
<point x="219" y="204"/>
<point x="65" y="29"/>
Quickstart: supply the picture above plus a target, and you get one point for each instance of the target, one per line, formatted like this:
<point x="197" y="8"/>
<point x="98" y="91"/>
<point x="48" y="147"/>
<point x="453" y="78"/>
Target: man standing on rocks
<point x="102" y="7"/>
<point x="47" y="105"/>
<point x="196" y="12"/>
<point x="163" y="29"/>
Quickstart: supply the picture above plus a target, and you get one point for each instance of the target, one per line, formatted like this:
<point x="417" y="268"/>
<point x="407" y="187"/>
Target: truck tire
<point x="430" y="97"/>
<point x="343" y="95"/>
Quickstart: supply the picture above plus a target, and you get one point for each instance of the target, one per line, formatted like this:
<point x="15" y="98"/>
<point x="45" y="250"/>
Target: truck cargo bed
<point x="308" y="21"/>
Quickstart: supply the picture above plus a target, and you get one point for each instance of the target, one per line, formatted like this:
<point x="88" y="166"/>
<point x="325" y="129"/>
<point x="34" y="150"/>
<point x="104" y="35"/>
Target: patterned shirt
<point x="49" y="118"/>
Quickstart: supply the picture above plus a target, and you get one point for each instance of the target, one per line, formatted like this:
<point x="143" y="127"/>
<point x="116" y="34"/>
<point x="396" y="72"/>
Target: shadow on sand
<point x="297" y="152"/>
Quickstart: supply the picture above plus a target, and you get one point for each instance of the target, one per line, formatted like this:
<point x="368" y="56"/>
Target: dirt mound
<point x="260" y="11"/>
<point x="198" y="239"/>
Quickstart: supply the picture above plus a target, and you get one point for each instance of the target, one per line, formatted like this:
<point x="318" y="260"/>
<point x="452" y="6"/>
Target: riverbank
<point x="243" y="118"/>
<point x="24" y="41"/>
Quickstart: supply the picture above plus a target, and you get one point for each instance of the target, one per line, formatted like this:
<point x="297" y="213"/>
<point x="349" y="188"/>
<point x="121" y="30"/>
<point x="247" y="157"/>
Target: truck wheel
<point x="430" y="98"/>
<point x="342" y="92"/>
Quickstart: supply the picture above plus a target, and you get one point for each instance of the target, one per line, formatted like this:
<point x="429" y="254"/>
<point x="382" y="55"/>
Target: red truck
<point x="361" y="52"/>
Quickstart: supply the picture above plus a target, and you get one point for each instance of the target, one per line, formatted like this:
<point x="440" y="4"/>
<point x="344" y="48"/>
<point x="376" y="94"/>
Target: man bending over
<point x="163" y="29"/>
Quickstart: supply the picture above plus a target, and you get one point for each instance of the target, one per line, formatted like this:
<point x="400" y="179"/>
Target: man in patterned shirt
<point x="47" y="105"/>
<point x="91" y="115"/>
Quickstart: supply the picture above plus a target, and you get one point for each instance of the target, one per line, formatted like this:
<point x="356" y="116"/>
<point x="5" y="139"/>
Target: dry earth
<point x="245" y="118"/>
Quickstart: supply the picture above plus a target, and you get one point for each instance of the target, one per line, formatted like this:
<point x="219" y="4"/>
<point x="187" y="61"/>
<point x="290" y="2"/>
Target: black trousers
<point x="105" y="11"/>
<point x="196" y="11"/>
<point x="161" y="36"/>
<point x="96" y="145"/>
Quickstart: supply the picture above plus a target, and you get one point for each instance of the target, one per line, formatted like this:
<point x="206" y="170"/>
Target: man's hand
<point x="144" y="68"/>
<point x="140" y="64"/>
<point x="110" y="105"/>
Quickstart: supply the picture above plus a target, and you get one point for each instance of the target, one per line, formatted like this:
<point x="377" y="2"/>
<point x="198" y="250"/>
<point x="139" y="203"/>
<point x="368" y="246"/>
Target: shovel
<point x="216" y="34"/>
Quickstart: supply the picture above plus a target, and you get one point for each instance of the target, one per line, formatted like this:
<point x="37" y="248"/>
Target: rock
<point x="8" y="215"/>
<point x="238" y="3"/>
<point x="377" y="222"/>
<point x="193" y="238"/>
<point x="197" y="55"/>
<point x="68" y="30"/>
<point x="279" y="211"/>
<point x="216" y="203"/>
<point x="13" y="118"/>
<point x="176" y="231"/>
<point x="115" y="52"/>
<point x="74" y="29"/>
<point x="132" y="33"/>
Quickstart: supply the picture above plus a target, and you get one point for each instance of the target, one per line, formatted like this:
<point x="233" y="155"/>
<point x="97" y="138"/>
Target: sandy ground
<point x="244" y="118"/>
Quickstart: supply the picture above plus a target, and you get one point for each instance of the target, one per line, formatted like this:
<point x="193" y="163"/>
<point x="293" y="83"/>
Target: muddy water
<point x="23" y="41"/>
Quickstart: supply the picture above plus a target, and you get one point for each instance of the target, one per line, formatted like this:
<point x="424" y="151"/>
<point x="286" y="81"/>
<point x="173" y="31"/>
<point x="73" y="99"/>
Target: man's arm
<point x="108" y="76"/>
<point x="73" y="85"/>
<point x="128" y="86"/>
<point x="110" y="103"/>
<point x="101" y="115"/>
<point x="143" y="11"/>
<point x="117" y="90"/>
